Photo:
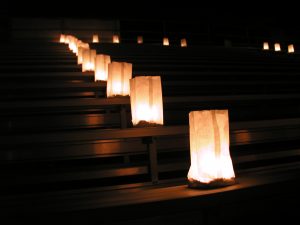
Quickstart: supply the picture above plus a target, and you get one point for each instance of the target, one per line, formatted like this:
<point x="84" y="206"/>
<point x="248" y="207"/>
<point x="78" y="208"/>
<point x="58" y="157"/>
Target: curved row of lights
<point x="146" y="105"/>
<point x="140" y="40"/>
<point x="211" y="164"/>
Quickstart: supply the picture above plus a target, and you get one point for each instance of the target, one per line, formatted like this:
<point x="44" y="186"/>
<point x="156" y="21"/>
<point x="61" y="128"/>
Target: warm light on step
<point x="277" y="47"/>
<point x="291" y="49"/>
<point x="183" y="42"/>
<point x="116" y="39"/>
<point x="209" y="149"/>
<point x="101" y="67"/>
<point x="146" y="101"/>
<point x="88" y="60"/>
<point x="119" y="74"/>
<point x="95" y="38"/>
<point x="166" y="41"/>
<point x="266" y="46"/>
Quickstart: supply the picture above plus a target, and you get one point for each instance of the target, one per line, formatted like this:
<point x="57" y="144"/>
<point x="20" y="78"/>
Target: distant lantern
<point x="183" y="42"/>
<point x="88" y="60"/>
<point x="291" y="48"/>
<point x="67" y="39"/>
<point x="73" y="44"/>
<point x="146" y="101"/>
<point x="95" y="38"/>
<point x="277" y="47"/>
<point x="266" y="46"/>
<point x="101" y="67"/>
<point x="140" y="40"/>
<point x="78" y="43"/>
<point x="116" y="39"/>
<point x="62" y="38"/>
<point x="119" y="74"/>
<point x="211" y="164"/>
<point x="166" y="41"/>
<point x="79" y="55"/>
<point x="82" y="47"/>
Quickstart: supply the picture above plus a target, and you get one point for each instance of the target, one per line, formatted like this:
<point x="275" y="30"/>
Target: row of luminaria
<point x="277" y="47"/>
<point x="116" y="40"/>
<point x="147" y="107"/>
<point x="211" y="164"/>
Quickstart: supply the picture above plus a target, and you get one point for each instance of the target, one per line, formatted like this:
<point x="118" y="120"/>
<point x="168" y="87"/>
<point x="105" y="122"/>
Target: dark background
<point x="243" y="23"/>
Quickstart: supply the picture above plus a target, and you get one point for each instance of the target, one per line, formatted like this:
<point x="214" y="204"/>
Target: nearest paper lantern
<point x="266" y="46"/>
<point x="183" y="42"/>
<point x="95" y="38"/>
<point x="211" y="164"/>
<point x="166" y="41"/>
<point x="119" y="74"/>
<point x="140" y="40"/>
<point x="116" y="39"/>
<point x="146" y="101"/>
<point x="277" y="47"/>
<point x="101" y="67"/>
<point x="88" y="60"/>
<point x="291" y="49"/>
